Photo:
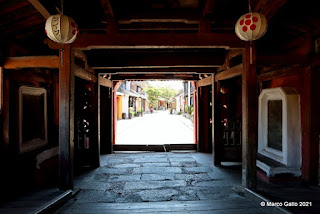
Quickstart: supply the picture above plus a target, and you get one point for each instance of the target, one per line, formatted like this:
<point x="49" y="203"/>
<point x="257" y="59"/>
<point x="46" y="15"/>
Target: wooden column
<point x="197" y="127"/>
<point x="249" y="118"/>
<point x="204" y="117"/>
<point x="6" y="110"/>
<point x="95" y="145"/>
<point x="66" y="119"/>
<point x="215" y="123"/>
<point x="114" y="113"/>
<point x="310" y="126"/>
<point x="195" y="110"/>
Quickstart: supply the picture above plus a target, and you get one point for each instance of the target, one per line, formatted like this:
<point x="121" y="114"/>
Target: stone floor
<point x="183" y="178"/>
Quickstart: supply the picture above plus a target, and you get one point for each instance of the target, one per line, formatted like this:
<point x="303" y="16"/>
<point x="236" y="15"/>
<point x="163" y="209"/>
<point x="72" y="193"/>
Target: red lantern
<point x="118" y="98"/>
<point x="251" y="26"/>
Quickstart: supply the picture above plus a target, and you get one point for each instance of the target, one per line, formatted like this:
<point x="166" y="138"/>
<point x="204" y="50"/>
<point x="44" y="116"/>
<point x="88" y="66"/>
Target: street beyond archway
<point x="157" y="128"/>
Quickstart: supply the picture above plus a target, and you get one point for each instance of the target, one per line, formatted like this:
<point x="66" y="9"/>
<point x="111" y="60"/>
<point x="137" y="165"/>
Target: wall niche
<point x="279" y="132"/>
<point x="32" y="118"/>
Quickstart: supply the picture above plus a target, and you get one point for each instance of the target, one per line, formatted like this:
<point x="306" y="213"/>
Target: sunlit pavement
<point x="161" y="127"/>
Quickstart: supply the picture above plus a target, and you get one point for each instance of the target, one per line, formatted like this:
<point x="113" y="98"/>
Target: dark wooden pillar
<point x="199" y="118"/>
<point x="249" y="118"/>
<point x="195" y="110"/>
<point x="204" y="119"/>
<point x="66" y="121"/>
<point x="114" y="111"/>
<point x="105" y="120"/>
<point x="6" y="111"/>
<point x="216" y="152"/>
<point x="310" y="126"/>
<point x="95" y="148"/>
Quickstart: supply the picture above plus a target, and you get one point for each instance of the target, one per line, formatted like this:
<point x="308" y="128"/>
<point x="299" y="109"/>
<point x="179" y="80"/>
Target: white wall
<point x="125" y="104"/>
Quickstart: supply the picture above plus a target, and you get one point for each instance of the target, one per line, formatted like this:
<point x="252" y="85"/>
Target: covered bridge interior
<point x="190" y="40"/>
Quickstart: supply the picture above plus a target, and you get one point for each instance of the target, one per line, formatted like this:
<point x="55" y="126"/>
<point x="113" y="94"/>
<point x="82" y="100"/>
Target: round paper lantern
<point x="251" y="26"/>
<point x="62" y="29"/>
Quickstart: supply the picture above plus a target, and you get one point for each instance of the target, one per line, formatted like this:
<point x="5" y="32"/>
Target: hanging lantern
<point x="61" y="29"/>
<point x="251" y="26"/>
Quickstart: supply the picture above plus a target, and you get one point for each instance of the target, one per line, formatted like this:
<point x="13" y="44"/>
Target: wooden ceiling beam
<point x="84" y="74"/>
<point x="287" y="71"/>
<point x="206" y="81"/>
<point x="154" y="77"/>
<point x="230" y="73"/>
<point x="32" y="62"/>
<point x="171" y="70"/>
<point x="282" y="60"/>
<point x="40" y="8"/>
<point x="143" y="40"/>
<point x="268" y="7"/>
<point x="205" y="22"/>
<point x="105" y="82"/>
<point x="114" y="60"/>
<point x="112" y="26"/>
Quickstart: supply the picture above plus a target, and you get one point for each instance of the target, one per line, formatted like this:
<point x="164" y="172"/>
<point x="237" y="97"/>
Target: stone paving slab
<point x="158" y="195"/>
<point x="156" y="164"/>
<point x="126" y="165"/>
<point x="157" y="170"/>
<point x="151" y="160"/>
<point x="193" y="177"/>
<point x="106" y="170"/>
<point x="115" y="178"/>
<point x="154" y="184"/>
<point x="157" y="177"/>
<point x="197" y="169"/>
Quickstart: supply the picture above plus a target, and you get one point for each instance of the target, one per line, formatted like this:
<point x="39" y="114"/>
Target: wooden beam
<point x="79" y="54"/>
<point x="235" y="53"/>
<point x="249" y="118"/>
<point x="65" y="145"/>
<point x="230" y="73"/>
<point x="268" y="7"/>
<point x="154" y="77"/>
<point x="112" y="26"/>
<point x="40" y="8"/>
<point x="84" y="74"/>
<point x="282" y="60"/>
<point x="291" y="70"/>
<point x="155" y="60"/>
<point x="1" y="90"/>
<point x="6" y="110"/>
<point x="158" y="70"/>
<point x="104" y="82"/>
<point x="195" y="110"/>
<point x="314" y="123"/>
<point x="53" y="45"/>
<point x="205" y="81"/>
<point x="306" y="107"/>
<point x="205" y="25"/>
<point x="212" y="40"/>
<point x="215" y="122"/>
<point x="32" y="62"/>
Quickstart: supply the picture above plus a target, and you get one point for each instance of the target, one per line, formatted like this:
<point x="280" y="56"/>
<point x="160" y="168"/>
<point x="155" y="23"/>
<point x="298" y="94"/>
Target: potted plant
<point x="131" y="112"/>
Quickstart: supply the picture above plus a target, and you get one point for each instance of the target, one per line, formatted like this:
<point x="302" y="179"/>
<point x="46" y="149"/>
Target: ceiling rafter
<point x="112" y="26"/>
<point x="268" y="7"/>
<point x="205" y="25"/>
<point x="40" y="8"/>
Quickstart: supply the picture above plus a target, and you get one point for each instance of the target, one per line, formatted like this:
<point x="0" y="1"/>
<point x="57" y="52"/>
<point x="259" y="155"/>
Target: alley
<point x="169" y="182"/>
<point x="157" y="128"/>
